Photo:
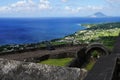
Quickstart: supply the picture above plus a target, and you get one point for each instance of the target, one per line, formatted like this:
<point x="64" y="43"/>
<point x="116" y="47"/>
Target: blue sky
<point x="58" y="8"/>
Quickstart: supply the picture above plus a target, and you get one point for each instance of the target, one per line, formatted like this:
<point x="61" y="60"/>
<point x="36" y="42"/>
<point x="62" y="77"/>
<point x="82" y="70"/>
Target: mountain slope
<point x="98" y="14"/>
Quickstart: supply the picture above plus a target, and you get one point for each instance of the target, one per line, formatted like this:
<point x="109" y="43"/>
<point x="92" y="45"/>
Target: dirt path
<point x="39" y="53"/>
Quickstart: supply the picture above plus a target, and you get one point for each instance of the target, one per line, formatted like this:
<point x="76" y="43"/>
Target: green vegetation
<point x="23" y="47"/>
<point x="58" y="43"/>
<point x="89" y="65"/>
<point x="103" y="33"/>
<point x="95" y="54"/>
<point x="57" y="62"/>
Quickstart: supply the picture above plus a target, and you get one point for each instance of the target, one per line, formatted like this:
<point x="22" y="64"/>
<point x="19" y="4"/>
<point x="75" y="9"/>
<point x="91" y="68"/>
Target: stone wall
<point x="16" y="70"/>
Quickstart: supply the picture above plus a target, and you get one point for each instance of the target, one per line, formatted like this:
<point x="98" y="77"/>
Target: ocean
<point x="33" y="30"/>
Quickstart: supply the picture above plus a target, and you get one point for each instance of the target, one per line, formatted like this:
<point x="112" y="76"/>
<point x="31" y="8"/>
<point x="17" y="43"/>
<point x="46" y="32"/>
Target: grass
<point x="64" y="62"/>
<point x="92" y="61"/>
<point x="57" y="62"/>
<point x="90" y="65"/>
<point x="58" y="43"/>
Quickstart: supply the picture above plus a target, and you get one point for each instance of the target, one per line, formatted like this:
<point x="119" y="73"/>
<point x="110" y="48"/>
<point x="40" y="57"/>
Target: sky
<point x="58" y="8"/>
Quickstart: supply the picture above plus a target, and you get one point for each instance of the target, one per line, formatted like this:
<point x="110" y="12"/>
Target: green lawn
<point x="64" y="62"/>
<point x="57" y="62"/>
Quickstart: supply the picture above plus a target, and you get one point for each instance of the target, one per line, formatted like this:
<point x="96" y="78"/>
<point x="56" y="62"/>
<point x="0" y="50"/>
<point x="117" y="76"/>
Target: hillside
<point x="103" y="33"/>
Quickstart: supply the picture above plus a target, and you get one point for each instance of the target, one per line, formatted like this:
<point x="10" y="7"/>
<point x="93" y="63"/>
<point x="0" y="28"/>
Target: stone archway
<point x="97" y="46"/>
<point x="84" y="54"/>
<point x="101" y="49"/>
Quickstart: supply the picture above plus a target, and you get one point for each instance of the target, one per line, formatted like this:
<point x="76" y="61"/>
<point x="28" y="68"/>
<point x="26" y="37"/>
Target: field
<point x="57" y="62"/>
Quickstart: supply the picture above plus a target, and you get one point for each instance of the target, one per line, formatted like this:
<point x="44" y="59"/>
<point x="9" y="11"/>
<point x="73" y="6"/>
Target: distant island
<point x="98" y="14"/>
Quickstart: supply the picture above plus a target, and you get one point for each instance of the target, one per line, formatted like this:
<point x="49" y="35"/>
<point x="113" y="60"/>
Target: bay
<point x="32" y="30"/>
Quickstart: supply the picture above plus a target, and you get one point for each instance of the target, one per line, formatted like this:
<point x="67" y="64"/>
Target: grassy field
<point x="64" y="62"/>
<point x="57" y="62"/>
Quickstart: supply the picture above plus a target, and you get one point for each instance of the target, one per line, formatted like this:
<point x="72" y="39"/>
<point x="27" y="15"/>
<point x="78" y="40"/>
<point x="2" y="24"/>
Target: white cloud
<point x="19" y="4"/>
<point x="94" y="7"/>
<point x="4" y="8"/>
<point x="67" y="8"/>
<point x="44" y="4"/>
<point x="73" y="10"/>
<point x="79" y="9"/>
<point x="114" y="4"/>
<point x="64" y="0"/>
<point x="26" y="5"/>
<point x="117" y="1"/>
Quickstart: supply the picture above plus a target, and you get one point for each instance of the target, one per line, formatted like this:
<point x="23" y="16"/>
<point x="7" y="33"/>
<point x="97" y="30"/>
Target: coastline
<point x="103" y="33"/>
<point x="26" y="30"/>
